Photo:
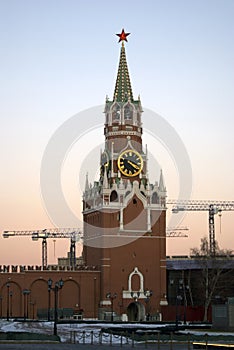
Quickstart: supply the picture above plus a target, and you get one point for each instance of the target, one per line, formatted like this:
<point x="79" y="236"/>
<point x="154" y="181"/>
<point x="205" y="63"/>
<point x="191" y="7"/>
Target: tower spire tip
<point x="123" y="36"/>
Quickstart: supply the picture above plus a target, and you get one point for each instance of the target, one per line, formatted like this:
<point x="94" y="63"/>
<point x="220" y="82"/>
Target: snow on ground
<point x="34" y="327"/>
<point x="80" y="332"/>
<point x="186" y="331"/>
<point x="86" y="332"/>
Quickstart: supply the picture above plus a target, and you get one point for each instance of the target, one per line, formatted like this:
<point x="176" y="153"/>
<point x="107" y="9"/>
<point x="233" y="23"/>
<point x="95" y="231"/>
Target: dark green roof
<point x="123" y="89"/>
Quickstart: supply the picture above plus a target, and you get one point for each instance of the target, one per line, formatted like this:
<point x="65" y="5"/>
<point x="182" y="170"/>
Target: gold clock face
<point x="130" y="163"/>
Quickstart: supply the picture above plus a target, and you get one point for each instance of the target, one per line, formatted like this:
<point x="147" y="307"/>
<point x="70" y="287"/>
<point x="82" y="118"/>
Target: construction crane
<point x="213" y="208"/>
<point x="73" y="233"/>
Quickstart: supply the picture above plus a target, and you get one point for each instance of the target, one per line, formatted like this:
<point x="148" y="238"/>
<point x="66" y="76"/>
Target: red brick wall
<point x="80" y="287"/>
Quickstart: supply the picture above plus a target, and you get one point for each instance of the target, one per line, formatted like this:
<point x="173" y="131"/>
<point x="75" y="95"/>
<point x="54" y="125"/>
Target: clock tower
<point x="124" y="214"/>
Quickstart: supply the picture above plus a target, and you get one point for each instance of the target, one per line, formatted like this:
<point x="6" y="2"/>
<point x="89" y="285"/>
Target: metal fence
<point x="131" y="340"/>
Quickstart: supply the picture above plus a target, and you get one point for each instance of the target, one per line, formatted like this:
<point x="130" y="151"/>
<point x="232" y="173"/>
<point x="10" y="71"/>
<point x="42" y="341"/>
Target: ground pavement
<point x="64" y="346"/>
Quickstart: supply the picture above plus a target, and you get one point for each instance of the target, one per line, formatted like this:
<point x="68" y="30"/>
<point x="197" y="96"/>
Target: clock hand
<point x="133" y="165"/>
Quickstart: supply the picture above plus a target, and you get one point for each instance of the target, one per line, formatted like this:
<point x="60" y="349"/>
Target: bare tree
<point x="212" y="268"/>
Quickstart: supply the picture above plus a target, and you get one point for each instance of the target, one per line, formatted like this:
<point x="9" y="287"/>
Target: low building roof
<point x="198" y="263"/>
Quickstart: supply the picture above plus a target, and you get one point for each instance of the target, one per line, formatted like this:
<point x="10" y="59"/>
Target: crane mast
<point x="213" y="208"/>
<point x="73" y="233"/>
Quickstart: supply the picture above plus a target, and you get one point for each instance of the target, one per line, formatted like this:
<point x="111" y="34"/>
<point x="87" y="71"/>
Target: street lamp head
<point x="111" y="296"/>
<point x="26" y="291"/>
<point x="148" y="293"/>
<point x="61" y="283"/>
<point x="49" y="282"/>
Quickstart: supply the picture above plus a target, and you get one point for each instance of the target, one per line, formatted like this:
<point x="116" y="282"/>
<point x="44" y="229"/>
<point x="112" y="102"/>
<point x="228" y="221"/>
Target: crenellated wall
<point x="25" y="268"/>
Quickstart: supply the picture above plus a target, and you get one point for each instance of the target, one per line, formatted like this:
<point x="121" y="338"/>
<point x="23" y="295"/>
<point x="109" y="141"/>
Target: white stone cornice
<point x="123" y="133"/>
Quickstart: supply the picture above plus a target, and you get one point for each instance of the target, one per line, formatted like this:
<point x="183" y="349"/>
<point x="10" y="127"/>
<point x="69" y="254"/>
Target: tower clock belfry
<point x="124" y="214"/>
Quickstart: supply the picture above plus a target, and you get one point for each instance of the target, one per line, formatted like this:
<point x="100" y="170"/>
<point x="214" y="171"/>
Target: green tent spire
<point x="123" y="89"/>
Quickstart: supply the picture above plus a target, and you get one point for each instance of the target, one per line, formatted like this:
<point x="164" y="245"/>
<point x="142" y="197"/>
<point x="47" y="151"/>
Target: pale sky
<point x="60" y="57"/>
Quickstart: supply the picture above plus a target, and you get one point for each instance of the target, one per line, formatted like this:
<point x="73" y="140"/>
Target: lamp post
<point x="148" y="294"/>
<point x="11" y="294"/>
<point x="58" y="285"/>
<point x="8" y="300"/>
<point x="178" y="301"/>
<point x="0" y="306"/>
<point x="26" y="292"/>
<point x="94" y="296"/>
<point x="49" y="282"/>
<point x="180" y="294"/>
<point x="181" y="291"/>
<point x="111" y="297"/>
<point x="32" y="303"/>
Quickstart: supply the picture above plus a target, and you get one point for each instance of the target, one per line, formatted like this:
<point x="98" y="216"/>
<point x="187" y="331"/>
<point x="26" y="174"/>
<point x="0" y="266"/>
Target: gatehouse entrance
<point x="136" y="312"/>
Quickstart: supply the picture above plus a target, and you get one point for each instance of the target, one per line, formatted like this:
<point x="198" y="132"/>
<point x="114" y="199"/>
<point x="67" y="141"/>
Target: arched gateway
<point x="136" y="312"/>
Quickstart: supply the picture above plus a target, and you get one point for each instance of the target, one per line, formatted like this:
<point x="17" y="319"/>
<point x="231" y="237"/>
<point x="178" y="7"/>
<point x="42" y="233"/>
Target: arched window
<point x="128" y="112"/>
<point x="139" y="118"/>
<point x="141" y="280"/>
<point x="114" y="196"/>
<point x="155" y="198"/>
<point x="116" y="112"/>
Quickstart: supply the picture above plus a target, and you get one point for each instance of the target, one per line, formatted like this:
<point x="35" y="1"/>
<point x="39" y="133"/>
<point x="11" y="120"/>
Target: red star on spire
<point x="123" y="36"/>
